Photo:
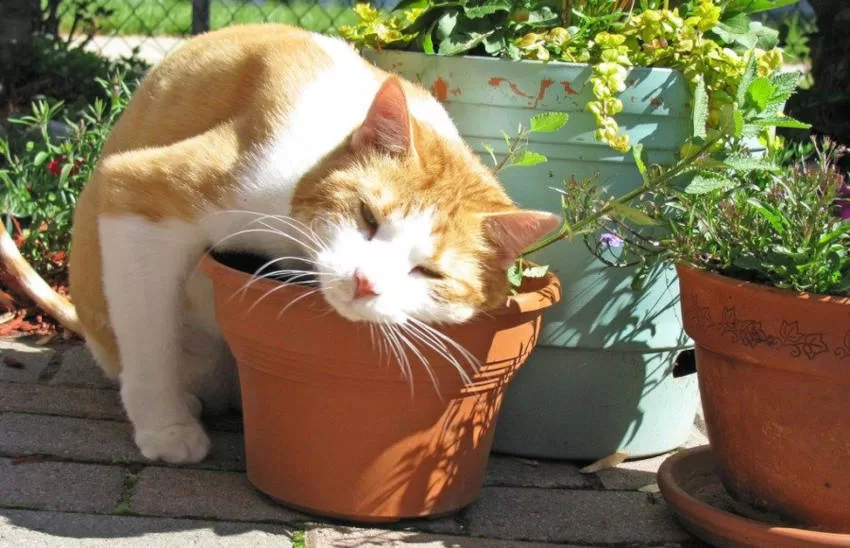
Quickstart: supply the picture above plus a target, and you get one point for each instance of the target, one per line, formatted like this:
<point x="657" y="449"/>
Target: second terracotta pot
<point x="774" y="376"/>
<point x="333" y="427"/>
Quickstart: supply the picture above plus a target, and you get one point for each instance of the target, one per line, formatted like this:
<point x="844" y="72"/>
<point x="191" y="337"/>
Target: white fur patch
<point x="388" y="261"/>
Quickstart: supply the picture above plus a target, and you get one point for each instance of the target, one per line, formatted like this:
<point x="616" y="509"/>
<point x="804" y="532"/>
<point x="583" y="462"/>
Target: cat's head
<point x="413" y="224"/>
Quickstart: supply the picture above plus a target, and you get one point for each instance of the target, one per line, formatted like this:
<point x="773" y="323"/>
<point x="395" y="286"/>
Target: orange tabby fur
<point x="192" y="144"/>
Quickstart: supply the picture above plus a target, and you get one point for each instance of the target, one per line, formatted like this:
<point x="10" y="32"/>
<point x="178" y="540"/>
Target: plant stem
<point x="568" y="230"/>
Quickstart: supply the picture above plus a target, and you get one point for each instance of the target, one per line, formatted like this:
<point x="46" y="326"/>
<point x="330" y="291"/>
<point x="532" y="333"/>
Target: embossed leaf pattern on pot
<point x="747" y="332"/>
<point x="843" y="352"/>
<point x="810" y="344"/>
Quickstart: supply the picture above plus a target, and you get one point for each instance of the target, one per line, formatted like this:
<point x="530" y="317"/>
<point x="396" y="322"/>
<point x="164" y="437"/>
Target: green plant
<point x="721" y="209"/>
<point x="782" y="221"/>
<point x="710" y="41"/>
<point x="41" y="179"/>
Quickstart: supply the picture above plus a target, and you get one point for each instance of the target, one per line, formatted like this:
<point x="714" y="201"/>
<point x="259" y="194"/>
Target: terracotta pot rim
<point x="544" y="293"/>
<point x="716" y="520"/>
<point x="761" y="288"/>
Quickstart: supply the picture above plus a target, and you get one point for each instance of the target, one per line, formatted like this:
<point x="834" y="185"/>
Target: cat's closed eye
<point x="428" y="273"/>
<point x="369" y="219"/>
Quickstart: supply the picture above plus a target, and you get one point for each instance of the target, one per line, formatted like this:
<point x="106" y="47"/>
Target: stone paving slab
<point x="637" y="474"/>
<point x="353" y="537"/>
<point x="204" y="494"/>
<point x="57" y="530"/>
<point x="577" y="516"/>
<point x="60" y="485"/>
<point x="90" y="403"/>
<point x="508" y="471"/>
<point x="97" y="441"/>
<point x="23" y="362"/>
<point x="79" y="369"/>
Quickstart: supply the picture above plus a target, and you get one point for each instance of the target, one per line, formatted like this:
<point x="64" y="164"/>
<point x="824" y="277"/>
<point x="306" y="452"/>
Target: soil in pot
<point x="774" y="374"/>
<point x="334" y="426"/>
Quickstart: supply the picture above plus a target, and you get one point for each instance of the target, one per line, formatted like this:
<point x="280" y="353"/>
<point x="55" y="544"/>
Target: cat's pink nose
<point x="363" y="286"/>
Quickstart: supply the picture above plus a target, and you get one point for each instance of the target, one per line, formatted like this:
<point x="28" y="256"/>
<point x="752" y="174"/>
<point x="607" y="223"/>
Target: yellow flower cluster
<point x="653" y="38"/>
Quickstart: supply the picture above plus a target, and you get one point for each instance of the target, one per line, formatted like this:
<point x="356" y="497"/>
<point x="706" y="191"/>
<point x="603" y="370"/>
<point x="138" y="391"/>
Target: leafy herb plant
<point x="782" y="220"/>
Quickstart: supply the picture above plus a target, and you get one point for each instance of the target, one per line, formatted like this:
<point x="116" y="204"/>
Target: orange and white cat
<point x="273" y="140"/>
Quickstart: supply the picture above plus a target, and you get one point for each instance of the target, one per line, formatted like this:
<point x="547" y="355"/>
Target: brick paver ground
<point x="71" y="476"/>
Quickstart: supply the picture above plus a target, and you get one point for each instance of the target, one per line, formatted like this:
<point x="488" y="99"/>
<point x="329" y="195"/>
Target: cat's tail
<point x="34" y="285"/>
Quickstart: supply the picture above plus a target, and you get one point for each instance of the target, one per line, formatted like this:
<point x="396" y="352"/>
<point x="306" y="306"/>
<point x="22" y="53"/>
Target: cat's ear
<point x="514" y="231"/>
<point x="387" y="124"/>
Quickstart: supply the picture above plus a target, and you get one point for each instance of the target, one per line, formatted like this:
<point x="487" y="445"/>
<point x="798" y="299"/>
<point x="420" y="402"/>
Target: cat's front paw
<point x="176" y="444"/>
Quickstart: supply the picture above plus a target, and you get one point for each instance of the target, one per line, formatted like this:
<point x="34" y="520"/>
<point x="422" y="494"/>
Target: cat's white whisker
<point x="398" y="351"/>
<point x="295" y="300"/>
<point x="292" y="222"/>
<point x="265" y="231"/>
<point x="256" y="276"/>
<point x="405" y="329"/>
<point x="294" y="279"/>
<point x="434" y="344"/>
<point x="303" y="229"/>
<point x="470" y="358"/>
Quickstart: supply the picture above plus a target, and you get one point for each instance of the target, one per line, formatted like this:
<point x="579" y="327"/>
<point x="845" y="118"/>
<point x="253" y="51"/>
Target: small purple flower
<point x="609" y="239"/>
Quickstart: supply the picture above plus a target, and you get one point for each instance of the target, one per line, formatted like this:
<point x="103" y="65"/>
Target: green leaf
<point x="786" y="82"/>
<point x="700" y="115"/>
<point x="738" y="119"/>
<point x="633" y="214"/>
<point x="703" y="183"/>
<point x="770" y="216"/>
<point x="750" y="73"/>
<point x="780" y="121"/>
<point x="760" y="92"/>
<point x="515" y="275"/>
<point x="748" y="163"/>
<point x="410" y="4"/>
<point x="40" y="158"/>
<point x="541" y="17"/>
<point x="507" y="139"/>
<point x="639" y="154"/>
<point x="548" y="122"/>
<point x="754" y="6"/>
<point x="535" y="271"/>
<point x="475" y="9"/>
<point x="494" y="44"/>
<point x="489" y="148"/>
<point x="529" y="158"/>
<point x="428" y="40"/>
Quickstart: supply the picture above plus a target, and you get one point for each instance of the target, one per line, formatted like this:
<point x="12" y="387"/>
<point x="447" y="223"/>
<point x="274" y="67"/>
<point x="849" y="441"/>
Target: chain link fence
<point x="152" y="28"/>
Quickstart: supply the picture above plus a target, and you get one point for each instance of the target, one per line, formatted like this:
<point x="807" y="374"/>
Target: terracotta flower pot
<point x="774" y="375"/>
<point x="333" y="427"/>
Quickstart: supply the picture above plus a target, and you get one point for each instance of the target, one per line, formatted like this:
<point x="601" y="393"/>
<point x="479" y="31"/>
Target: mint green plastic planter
<point x="601" y="378"/>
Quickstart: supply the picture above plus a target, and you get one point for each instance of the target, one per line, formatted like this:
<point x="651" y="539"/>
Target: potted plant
<point x="761" y="250"/>
<point x="382" y="423"/>
<point x="626" y="72"/>
<point x="765" y="281"/>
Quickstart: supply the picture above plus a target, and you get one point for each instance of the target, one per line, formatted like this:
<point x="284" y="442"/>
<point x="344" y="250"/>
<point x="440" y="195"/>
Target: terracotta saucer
<point x="695" y="493"/>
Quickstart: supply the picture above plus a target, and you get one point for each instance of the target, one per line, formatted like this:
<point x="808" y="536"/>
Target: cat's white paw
<point x="177" y="444"/>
